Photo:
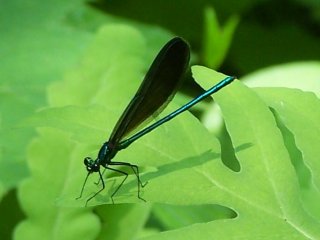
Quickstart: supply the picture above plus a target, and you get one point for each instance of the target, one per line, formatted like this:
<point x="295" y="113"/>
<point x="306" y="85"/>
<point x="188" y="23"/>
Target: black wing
<point x="157" y="89"/>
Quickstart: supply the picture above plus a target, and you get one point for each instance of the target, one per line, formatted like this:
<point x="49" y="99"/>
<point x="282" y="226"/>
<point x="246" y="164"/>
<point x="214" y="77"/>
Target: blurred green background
<point x="41" y="40"/>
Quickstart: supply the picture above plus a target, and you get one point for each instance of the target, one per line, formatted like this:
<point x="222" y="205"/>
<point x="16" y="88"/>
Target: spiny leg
<point x="125" y="178"/>
<point x="103" y="187"/>
<point x="135" y="169"/>
<point x="84" y="183"/>
<point x="103" y="184"/>
<point x="97" y="183"/>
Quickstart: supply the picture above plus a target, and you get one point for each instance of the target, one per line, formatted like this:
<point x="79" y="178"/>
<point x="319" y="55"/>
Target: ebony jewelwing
<point x="160" y="84"/>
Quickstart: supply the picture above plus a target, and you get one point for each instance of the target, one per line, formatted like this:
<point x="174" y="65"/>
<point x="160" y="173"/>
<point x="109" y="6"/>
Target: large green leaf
<point x="181" y="160"/>
<point x="55" y="158"/>
<point x="265" y="193"/>
<point x="36" y="47"/>
<point x="299" y="113"/>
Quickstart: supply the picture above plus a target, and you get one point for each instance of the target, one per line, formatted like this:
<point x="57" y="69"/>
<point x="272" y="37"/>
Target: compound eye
<point x="87" y="161"/>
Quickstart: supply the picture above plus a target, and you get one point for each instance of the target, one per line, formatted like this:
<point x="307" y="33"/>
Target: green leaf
<point x="216" y="40"/>
<point x="301" y="75"/>
<point x="116" y="218"/>
<point x="265" y="193"/>
<point x="181" y="160"/>
<point x="177" y="216"/>
<point x="55" y="159"/>
<point x="299" y="112"/>
<point x="36" y="47"/>
<point x="48" y="159"/>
